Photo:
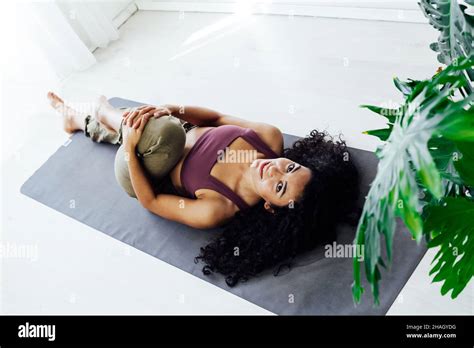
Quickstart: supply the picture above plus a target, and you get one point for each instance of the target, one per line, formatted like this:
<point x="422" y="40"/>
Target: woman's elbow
<point x="152" y="206"/>
<point x="146" y="203"/>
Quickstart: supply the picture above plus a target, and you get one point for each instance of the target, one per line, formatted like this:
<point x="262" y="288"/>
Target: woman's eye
<point x="279" y="187"/>
<point x="290" y="167"/>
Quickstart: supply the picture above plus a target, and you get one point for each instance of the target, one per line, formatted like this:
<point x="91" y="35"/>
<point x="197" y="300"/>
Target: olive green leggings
<point x="160" y="147"/>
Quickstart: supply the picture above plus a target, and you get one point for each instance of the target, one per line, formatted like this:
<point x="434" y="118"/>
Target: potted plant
<point x="425" y="173"/>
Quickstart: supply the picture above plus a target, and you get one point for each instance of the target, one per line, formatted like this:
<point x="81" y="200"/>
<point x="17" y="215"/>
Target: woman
<point x="275" y="205"/>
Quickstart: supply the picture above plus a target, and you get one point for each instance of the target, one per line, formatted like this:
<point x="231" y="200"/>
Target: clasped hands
<point x="135" y="119"/>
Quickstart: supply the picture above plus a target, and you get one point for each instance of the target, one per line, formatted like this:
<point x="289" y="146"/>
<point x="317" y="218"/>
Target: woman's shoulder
<point x="272" y="137"/>
<point x="269" y="134"/>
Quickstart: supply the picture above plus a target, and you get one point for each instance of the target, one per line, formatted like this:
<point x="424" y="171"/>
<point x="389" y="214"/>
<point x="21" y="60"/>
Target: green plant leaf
<point x="459" y="126"/>
<point x="465" y="164"/>
<point x="382" y="133"/>
<point x="430" y="122"/>
<point x="453" y="21"/>
<point x="455" y="24"/>
<point x="443" y="152"/>
<point x="452" y="224"/>
<point x="389" y="114"/>
<point x="406" y="87"/>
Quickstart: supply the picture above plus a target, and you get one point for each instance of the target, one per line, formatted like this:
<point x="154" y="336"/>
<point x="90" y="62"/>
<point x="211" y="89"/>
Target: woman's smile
<point x="262" y="168"/>
<point x="260" y="165"/>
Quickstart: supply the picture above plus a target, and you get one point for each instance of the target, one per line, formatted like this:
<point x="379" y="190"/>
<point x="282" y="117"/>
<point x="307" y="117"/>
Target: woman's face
<point x="279" y="181"/>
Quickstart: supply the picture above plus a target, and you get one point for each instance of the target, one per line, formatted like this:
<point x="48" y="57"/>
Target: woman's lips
<point x="262" y="166"/>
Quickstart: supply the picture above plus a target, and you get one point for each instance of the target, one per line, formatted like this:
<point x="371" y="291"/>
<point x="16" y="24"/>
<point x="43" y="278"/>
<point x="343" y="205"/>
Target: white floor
<point x="298" y="74"/>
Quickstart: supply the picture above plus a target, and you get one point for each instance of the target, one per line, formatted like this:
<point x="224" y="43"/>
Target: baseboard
<point x="125" y="14"/>
<point x="406" y="13"/>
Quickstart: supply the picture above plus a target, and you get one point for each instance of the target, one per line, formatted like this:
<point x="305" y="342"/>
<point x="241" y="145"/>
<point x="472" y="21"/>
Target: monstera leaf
<point x="416" y="161"/>
<point x="465" y="163"/>
<point x="455" y="21"/>
<point x="451" y="224"/>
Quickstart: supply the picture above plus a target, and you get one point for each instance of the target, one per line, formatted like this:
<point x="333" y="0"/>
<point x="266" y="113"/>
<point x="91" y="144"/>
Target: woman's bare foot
<point x="72" y="119"/>
<point x="55" y="101"/>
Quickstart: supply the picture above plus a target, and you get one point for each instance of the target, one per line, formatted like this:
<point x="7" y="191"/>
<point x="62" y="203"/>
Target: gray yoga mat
<point x="318" y="285"/>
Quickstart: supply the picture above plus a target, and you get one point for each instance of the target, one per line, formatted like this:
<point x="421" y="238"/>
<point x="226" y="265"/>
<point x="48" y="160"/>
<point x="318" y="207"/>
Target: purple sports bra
<point x="197" y="166"/>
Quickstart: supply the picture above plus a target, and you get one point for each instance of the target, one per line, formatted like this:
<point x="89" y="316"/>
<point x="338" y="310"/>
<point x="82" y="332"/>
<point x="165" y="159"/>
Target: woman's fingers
<point x="158" y="111"/>
<point x="125" y="119"/>
<point x="145" y="106"/>
<point x="129" y="111"/>
<point x="139" y="113"/>
<point x="136" y="123"/>
<point x="139" y="108"/>
<point x="135" y="118"/>
<point x="131" y="117"/>
<point x="162" y="111"/>
<point x="141" y="121"/>
<point x="146" y="110"/>
<point x="142" y="112"/>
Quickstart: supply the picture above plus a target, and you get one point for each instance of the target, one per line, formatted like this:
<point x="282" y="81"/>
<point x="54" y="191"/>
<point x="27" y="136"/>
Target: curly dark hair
<point x="264" y="240"/>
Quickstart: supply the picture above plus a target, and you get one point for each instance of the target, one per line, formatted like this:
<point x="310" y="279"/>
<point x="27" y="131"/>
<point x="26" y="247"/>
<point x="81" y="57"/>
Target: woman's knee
<point x="165" y="131"/>
<point x="159" y="149"/>
<point x="161" y="145"/>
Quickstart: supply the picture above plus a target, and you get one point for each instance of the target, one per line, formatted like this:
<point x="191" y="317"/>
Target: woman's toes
<point x="54" y="100"/>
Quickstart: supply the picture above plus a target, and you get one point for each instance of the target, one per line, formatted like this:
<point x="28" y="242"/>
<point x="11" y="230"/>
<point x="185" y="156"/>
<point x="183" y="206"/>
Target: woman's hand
<point x="163" y="110"/>
<point x="157" y="111"/>
<point x="133" y="124"/>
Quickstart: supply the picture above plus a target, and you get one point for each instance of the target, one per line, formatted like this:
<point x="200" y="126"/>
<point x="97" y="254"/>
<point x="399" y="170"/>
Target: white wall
<point x="392" y="10"/>
<point x="396" y="4"/>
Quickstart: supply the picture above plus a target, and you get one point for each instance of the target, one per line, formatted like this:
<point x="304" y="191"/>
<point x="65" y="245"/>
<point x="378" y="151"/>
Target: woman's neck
<point x="246" y="186"/>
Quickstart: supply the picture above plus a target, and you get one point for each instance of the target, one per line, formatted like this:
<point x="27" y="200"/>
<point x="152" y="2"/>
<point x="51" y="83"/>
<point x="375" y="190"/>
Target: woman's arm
<point x="201" y="116"/>
<point x="197" y="213"/>
<point x="132" y="130"/>
<point x="202" y="213"/>
<point x="197" y="115"/>
<point x="141" y="185"/>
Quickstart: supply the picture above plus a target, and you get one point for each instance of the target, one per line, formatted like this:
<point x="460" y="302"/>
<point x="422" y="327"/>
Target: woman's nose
<point x="273" y="170"/>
